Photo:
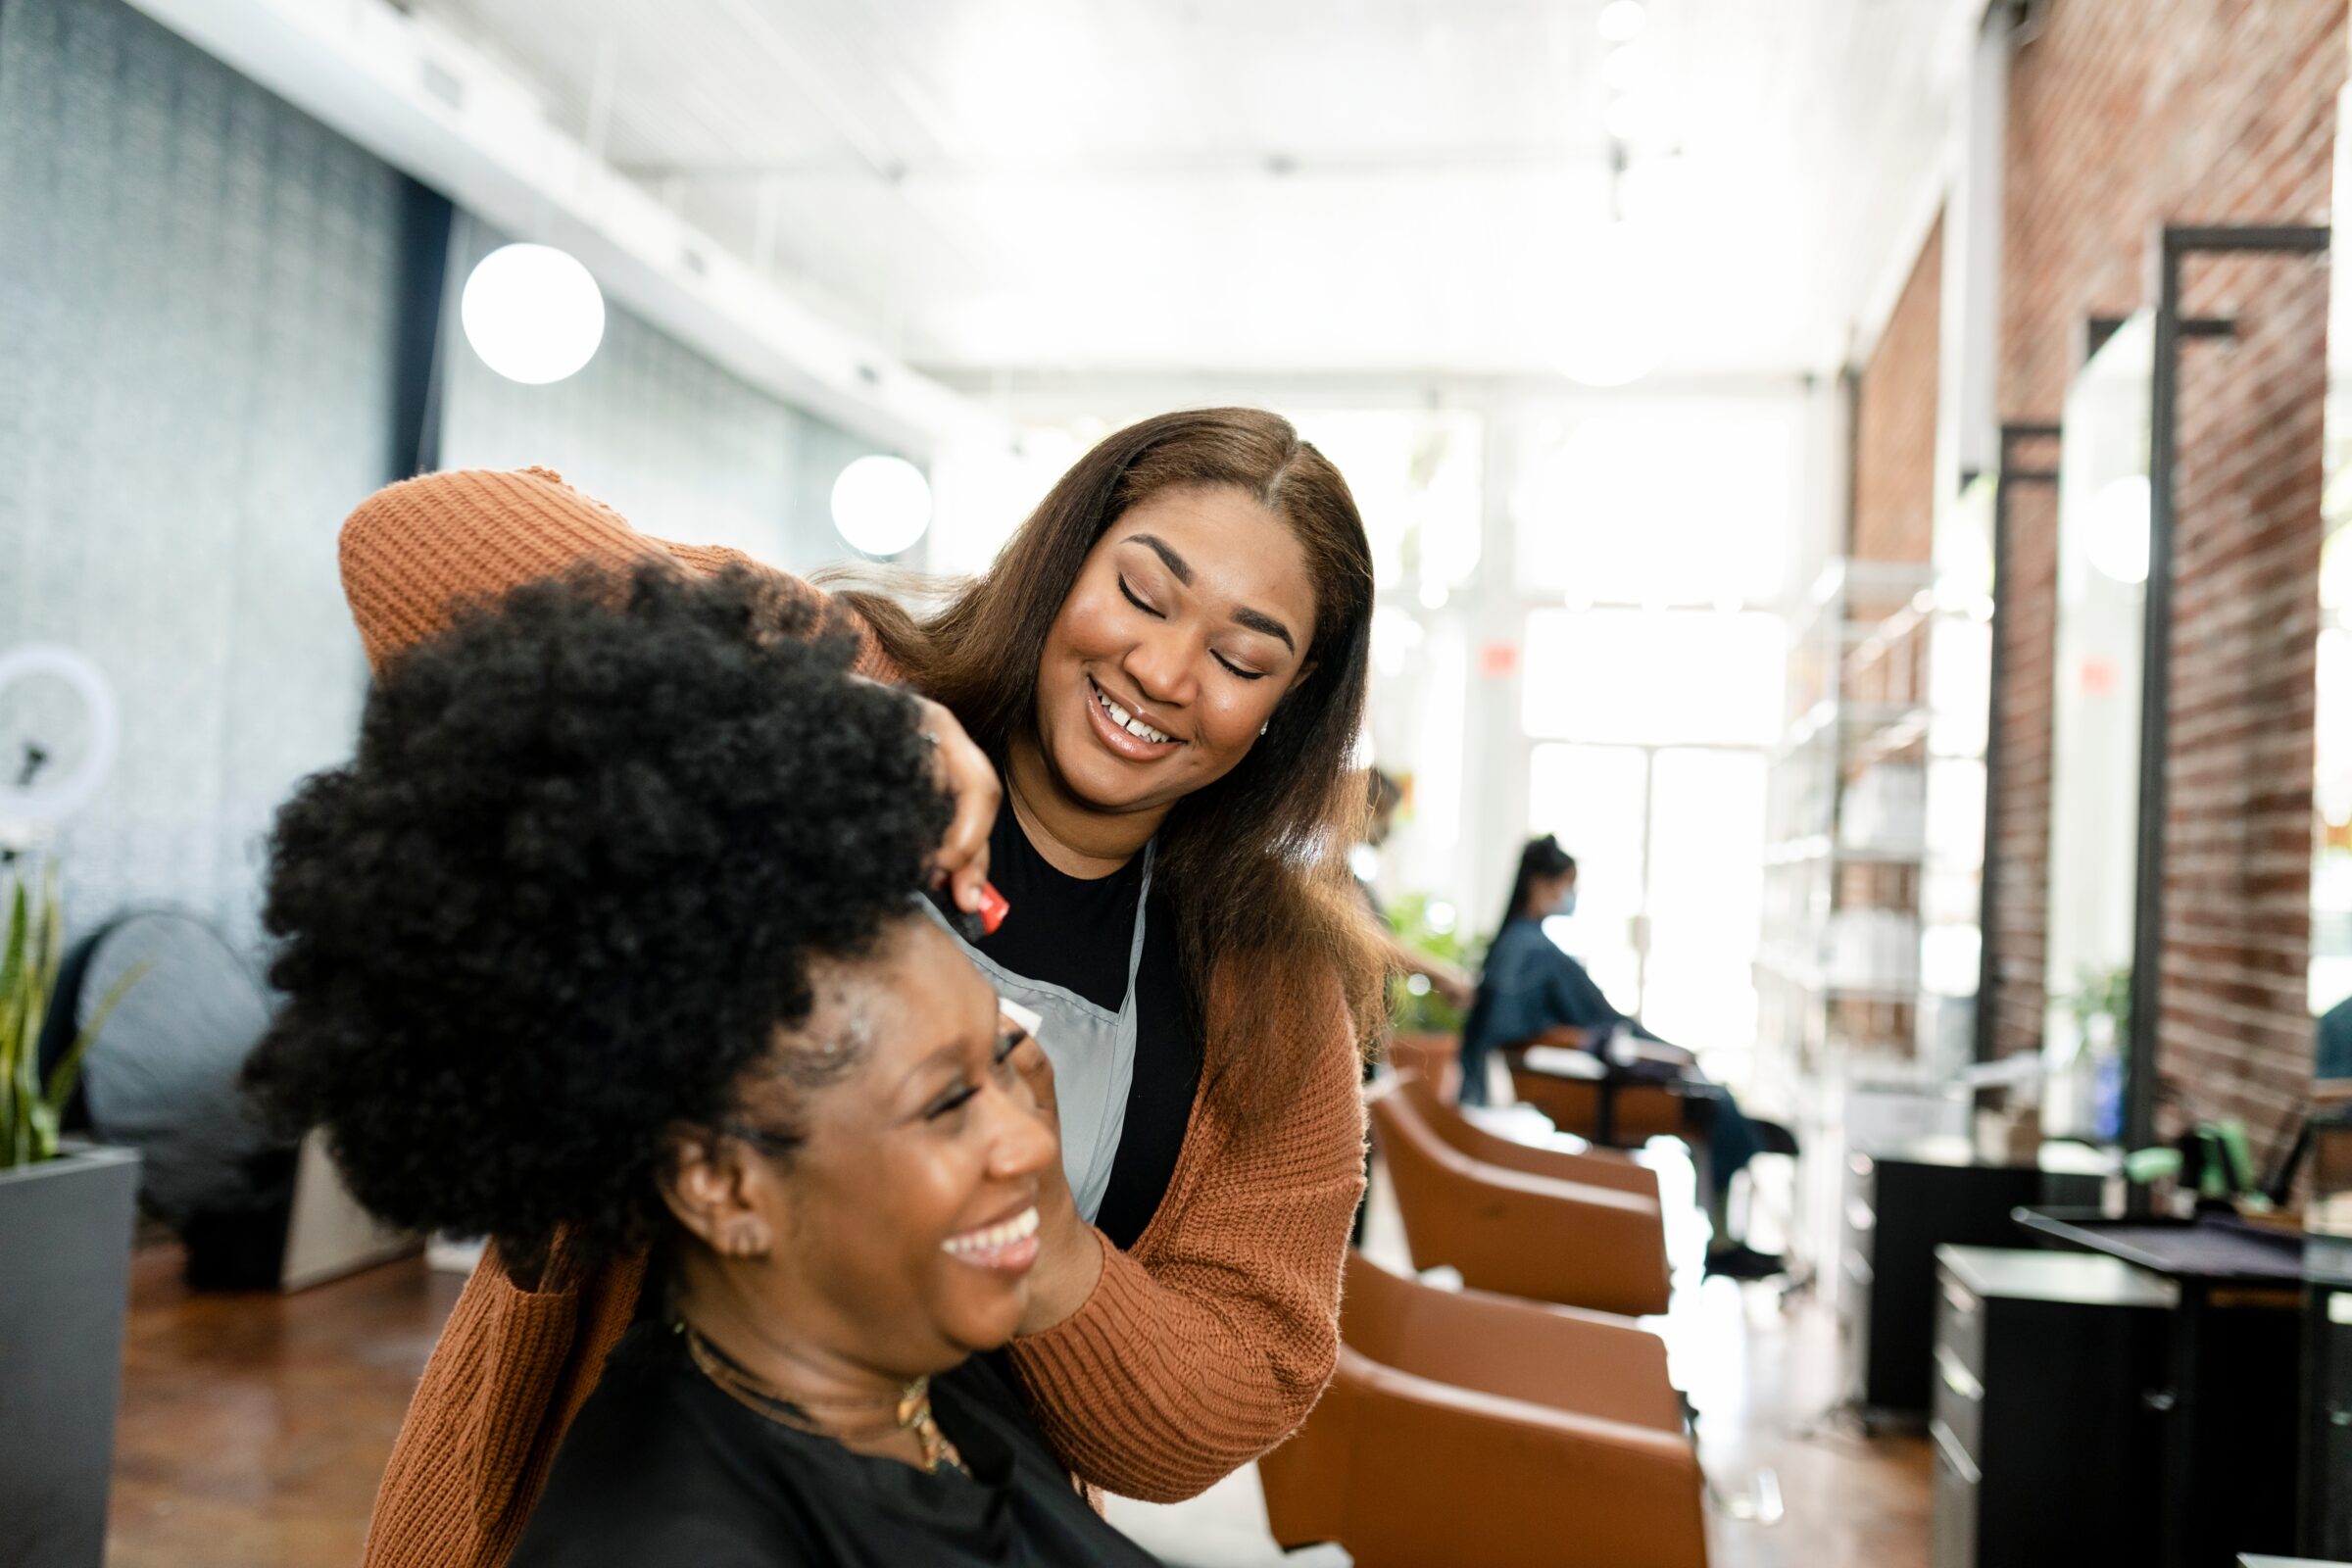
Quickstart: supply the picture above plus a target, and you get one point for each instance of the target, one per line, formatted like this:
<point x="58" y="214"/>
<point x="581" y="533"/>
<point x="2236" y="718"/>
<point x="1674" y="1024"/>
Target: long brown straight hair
<point x="1272" y="934"/>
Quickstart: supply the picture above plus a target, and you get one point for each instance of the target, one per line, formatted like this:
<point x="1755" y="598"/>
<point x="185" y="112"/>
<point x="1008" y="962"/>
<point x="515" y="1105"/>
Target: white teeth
<point x="1126" y="720"/>
<point x="996" y="1238"/>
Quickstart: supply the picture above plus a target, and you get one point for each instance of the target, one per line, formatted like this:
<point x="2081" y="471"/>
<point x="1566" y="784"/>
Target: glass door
<point x="2094" y="733"/>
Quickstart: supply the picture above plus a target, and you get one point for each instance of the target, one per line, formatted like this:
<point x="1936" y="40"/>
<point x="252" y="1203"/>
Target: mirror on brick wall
<point x="2094" y="706"/>
<point x="2330" y="972"/>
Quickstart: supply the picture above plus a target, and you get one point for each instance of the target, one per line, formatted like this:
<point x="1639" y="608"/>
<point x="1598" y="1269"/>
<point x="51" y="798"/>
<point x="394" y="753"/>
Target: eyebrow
<point x="1259" y="620"/>
<point x="1256" y="620"/>
<point x="1175" y="563"/>
<point x="948" y="1056"/>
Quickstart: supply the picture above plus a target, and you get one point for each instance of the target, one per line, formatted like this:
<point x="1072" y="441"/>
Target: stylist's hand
<point x="970" y="780"/>
<point x="1069" y="1251"/>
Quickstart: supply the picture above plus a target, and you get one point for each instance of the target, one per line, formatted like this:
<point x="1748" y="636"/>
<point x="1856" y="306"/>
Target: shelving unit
<point x="1851" y="863"/>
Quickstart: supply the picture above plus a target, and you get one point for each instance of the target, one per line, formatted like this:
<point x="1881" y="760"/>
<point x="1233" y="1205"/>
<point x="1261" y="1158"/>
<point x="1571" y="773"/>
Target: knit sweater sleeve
<point x="511" y="1368"/>
<point x="1210" y="1342"/>
<point x="415" y="551"/>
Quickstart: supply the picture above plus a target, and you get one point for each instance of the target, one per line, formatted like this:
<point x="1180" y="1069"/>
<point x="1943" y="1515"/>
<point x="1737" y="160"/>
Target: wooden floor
<point x="1763" y="1374"/>
<point x="254" y="1427"/>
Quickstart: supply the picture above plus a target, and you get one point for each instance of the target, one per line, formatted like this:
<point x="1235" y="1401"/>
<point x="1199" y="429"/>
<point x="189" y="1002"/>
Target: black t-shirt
<point x="1075" y="933"/>
<point x="664" y="1467"/>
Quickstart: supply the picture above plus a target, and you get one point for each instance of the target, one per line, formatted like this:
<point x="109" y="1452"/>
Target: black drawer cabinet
<point x="1896" y="1211"/>
<point x="2326" y="1478"/>
<point x="2049" y="1371"/>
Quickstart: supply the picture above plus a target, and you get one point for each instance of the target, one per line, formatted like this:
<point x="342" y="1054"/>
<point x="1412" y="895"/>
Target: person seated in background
<point x="2331" y="1046"/>
<point x="658" y="972"/>
<point x="1531" y="993"/>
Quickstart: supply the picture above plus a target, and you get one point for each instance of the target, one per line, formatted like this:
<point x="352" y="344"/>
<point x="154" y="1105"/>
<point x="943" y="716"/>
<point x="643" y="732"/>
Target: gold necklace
<point x="911" y="1412"/>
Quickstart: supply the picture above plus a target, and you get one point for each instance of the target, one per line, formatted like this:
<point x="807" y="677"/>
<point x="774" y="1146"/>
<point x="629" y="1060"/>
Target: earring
<point x="1267" y="725"/>
<point x="742" y="1240"/>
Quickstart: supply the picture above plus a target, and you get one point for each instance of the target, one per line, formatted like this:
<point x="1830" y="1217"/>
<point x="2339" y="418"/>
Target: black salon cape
<point x="664" y="1468"/>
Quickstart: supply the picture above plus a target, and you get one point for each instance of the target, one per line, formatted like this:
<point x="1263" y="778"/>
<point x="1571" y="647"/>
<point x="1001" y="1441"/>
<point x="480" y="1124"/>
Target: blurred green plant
<point x="2102" y="992"/>
<point x="30" y="1110"/>
<point x="1423" y="1010"/>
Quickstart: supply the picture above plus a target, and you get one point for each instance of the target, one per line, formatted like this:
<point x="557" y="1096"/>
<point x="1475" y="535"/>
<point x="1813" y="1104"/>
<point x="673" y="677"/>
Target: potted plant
<point x="1427" y="1028"/>
<point x="65" y="1213"/>
<point x="2101" y="1004"/>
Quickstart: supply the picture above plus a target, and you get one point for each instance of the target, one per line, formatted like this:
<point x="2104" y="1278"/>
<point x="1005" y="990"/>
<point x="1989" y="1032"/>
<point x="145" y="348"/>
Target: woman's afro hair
<point x="569" y="890"/>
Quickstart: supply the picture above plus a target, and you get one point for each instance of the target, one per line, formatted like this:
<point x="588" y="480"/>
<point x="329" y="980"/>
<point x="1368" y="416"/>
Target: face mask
<point x="1566" y="905"/>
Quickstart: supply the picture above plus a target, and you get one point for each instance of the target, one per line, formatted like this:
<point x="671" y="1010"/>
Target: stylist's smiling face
<point x="1188" y="623"/>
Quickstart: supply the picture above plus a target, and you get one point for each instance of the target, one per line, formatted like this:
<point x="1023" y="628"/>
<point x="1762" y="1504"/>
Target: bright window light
<point x="1639" y="678"/>
<point x="2335" y="569"/>
<point x="1679" y="507"/>
<point x="2119" y="528"/>
<point x="532" y="312"/>
<point x="1417" y="479"/>
<point x="1633" y="117"/>
<point x="881" y="504"/>
<point x="1394" y="636"/>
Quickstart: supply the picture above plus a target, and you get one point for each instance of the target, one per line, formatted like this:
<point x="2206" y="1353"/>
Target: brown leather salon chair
<point x="1593" y="1168"/>
<point x="1518" y="1232"/>
<point x="1437" y="1057"/>
<point x="1464" y="1429"/>
<point x="1636" y="1112"/>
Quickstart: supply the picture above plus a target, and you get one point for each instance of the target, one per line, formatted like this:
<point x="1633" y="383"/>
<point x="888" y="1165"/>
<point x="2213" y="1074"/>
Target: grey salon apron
<point x="1093" y="1051"/>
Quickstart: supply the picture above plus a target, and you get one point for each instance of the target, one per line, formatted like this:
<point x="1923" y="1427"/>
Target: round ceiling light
<point x="1626" y="68"/>
<point x="1622" y="21"/>
<point x="2118" y="537"/>
<point x="532" y="312"/>
<point x="1615" y="331"/>
<point x="881" y="504"/>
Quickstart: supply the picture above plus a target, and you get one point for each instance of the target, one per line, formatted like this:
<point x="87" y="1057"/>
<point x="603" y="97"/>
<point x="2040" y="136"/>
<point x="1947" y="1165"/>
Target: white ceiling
<point x="1259" y="185"/>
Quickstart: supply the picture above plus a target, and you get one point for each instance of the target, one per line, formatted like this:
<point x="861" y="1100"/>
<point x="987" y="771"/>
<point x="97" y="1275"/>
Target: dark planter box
<point x="65" y="1288"/>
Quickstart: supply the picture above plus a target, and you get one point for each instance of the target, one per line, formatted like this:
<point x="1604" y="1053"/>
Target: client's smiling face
<point x="905" y="1225"/>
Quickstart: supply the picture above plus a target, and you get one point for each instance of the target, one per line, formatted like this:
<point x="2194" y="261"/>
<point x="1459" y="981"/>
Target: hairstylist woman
<point x="659" y="973"/>
<point x="1165" y="668"/>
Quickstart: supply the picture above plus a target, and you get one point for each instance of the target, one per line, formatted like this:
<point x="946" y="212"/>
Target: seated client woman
<point x="614" y="925"/>
<point x="1532" y="993"/>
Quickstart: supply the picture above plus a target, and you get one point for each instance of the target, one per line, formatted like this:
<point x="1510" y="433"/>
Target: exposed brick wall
<point x="2238" y="1031"/>
<point x="1895" y="422"/>
<point x="2029" y="629"/>
<point x="2122" y="115"/>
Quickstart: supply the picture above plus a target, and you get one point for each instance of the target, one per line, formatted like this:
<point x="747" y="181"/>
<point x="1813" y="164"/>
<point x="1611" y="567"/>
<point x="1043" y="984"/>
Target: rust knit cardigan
<point x="1201" y="1348"/>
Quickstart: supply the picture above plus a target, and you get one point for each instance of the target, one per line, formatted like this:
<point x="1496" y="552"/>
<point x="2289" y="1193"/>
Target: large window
<point x="1669" y="845"/>
<point x="1416" y="476"/>
<point x="1665" y="507"/>
<point x="1653" y="550"/>
<point x="1654" y="677"/>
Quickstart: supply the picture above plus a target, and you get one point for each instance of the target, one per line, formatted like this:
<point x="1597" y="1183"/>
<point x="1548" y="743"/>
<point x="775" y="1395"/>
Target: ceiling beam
<point x="428" y="103"/>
